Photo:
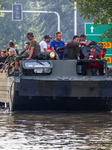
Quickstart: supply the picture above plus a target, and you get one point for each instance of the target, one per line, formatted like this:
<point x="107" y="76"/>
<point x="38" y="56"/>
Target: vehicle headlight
<point x="43" y="71"/>
<point x="47" y="70"/>
<point x="38" y="70"/>
<point x="52" y="54"/>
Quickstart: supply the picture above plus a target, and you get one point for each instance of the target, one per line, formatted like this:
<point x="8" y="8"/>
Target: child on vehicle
<point x="92" y="67"/>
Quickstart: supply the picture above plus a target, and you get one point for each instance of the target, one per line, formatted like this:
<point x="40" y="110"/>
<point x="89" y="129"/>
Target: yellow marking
<point x="108" y="60"/>
<point x="106" y="44"/>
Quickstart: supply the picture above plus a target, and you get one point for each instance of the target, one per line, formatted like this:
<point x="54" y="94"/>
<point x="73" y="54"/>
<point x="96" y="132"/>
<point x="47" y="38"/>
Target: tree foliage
<point x="39" y="24"/>
<point x="100" y="11"/>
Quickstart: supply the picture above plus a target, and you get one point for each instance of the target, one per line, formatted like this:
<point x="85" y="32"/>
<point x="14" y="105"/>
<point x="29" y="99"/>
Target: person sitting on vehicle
<point x="34" y="47"/>
<point x="7" y="51"/>
<point x="23" y="54"/>
<point x="11" y="61"/>
<point x="102" y="51"/>
<point x="12" y="45"/>
<point x="56" y="44"/>
<point x="93" y="67"/>
<point x="43" y="43"/>
<point x="73" y="49"/>
<point x="26" y="49"/>
<point x="2" y="60"/>
<point x="83" y="42"/>
<point x="100" y="45"/>
<point x="7" y="54"/>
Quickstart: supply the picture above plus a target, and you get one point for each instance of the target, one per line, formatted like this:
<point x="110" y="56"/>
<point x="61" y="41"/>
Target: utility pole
<point x="75" y="18"/>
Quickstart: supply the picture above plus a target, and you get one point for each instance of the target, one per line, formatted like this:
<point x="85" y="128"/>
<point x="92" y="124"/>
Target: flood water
<point x="56" y="131"/>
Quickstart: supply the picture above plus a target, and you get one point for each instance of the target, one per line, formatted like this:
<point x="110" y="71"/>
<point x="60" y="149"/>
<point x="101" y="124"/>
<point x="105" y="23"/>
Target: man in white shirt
<point x="43" y="43"/>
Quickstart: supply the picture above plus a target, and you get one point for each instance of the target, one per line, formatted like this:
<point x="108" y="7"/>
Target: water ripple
<point x="55" y="131"/>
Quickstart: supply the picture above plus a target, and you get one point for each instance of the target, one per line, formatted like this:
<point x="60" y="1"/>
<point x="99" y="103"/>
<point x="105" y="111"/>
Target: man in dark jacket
<point x="73" y="49"/>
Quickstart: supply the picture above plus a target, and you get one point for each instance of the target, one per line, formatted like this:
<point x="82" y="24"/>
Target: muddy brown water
<point x="55" y="131"/>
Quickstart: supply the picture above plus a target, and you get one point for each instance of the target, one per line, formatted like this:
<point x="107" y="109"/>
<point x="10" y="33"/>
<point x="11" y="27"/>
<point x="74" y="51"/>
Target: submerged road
<point x="55" y="131"/>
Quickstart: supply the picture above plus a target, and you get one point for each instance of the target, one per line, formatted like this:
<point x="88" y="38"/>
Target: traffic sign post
<point x="28" y="11"/>
<point x="94" y="32"/>
<point x="17" y="14"/>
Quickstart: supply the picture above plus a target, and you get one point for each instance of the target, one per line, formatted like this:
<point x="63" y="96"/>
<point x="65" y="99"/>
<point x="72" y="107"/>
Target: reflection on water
<point x="52" y="130"/>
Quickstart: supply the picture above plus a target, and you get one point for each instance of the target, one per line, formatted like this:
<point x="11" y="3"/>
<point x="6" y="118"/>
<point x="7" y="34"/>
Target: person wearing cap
<point x="92" y="55"/>
<point x="56" y="44"/>
<point x="34" y="48"/>
<point x="73" y="49"/>
<point x="43" y="43"/>
<point x="93" y="67"/>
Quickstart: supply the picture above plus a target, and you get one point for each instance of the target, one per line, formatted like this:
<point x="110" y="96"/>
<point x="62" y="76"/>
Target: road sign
<point x="108" y="59"/>
<point x="107" y="44"/>
<point x="97" y="29"/>
<point x="92" y="29"/>
<point x="94" y="32"/>
<point x="17" y="14"/>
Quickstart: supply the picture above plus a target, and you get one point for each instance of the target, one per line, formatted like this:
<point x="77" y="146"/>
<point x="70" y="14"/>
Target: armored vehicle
<point x="47" y="84"/>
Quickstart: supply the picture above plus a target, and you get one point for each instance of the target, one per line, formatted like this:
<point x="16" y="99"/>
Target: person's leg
<point x="1" y="70"/>
<point x="89" y="73"/>
<point x="16" y="64"/>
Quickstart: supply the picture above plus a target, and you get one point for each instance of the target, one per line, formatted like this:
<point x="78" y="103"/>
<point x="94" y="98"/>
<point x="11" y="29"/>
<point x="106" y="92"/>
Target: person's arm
<point x="31" y="53"/>
<point x="22" y="53"/>
<point x="12" y="64"/>
<point x="86" y="57"/>
<point x="52" y="48"/>
<point x="45" y="49"/>
<point x="57" y="57"/>
<point x="78" y="57"/>
<point x="44" y="45"/>
<point x="98" y="57"/>
<point x="77" y="50"/>
<point x="88" y="42"/>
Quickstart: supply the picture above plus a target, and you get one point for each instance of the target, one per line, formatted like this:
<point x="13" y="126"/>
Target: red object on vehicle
<point x="93" y="64"/>
<point x="48" y="48"/>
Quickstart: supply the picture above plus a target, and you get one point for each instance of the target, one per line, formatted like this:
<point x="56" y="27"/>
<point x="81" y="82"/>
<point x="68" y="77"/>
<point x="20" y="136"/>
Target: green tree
<point x="39" y="24"/>
<point x="49" y="22"/>
<point x="100" y="11"/>
<point x="16" y="30"/>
